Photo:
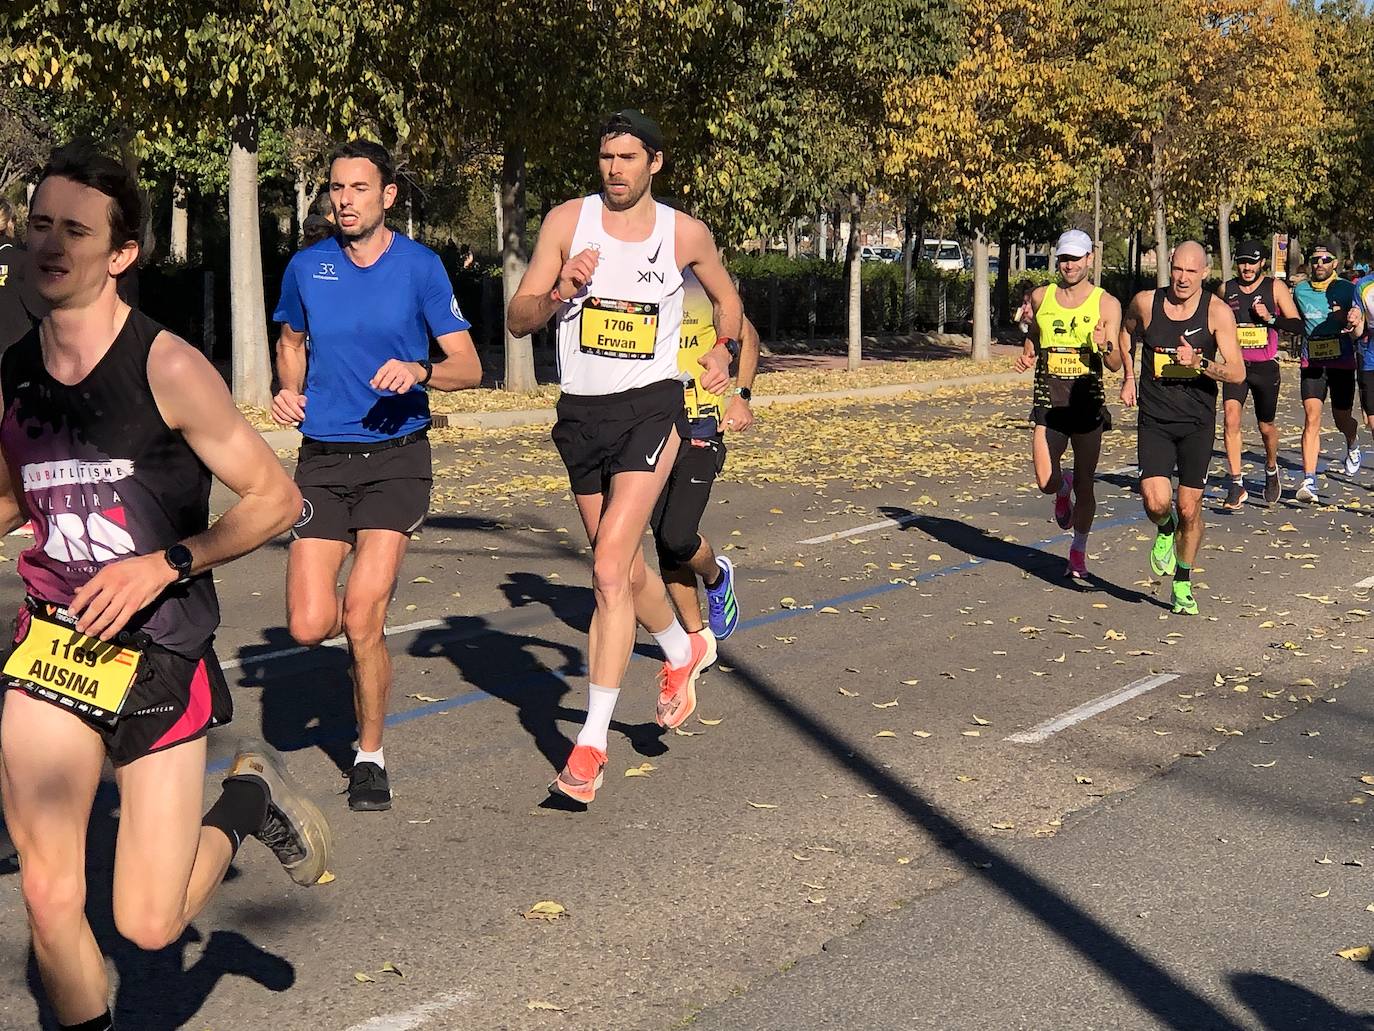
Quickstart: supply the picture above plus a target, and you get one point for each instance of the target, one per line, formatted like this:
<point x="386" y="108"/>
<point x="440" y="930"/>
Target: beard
<point x="632" y="197"/>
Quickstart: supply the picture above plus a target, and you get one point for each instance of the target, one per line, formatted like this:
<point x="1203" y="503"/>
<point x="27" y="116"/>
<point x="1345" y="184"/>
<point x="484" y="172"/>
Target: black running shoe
<point x="1273" y="486"/>
<point x="294" y="828"/>
<point x="369" y="790"/>
<point x="1236" y="496"/>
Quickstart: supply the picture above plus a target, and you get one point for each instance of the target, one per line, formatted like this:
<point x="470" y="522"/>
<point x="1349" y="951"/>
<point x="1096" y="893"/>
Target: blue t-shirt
<point x="1324" y="308"/>
<point x="1364" y="288"/>
<point x="356" y="319"/>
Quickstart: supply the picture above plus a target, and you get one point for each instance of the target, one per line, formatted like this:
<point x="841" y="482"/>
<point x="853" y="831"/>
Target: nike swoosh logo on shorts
<point x="695" y="480"/>
<point x="653" y="458"/>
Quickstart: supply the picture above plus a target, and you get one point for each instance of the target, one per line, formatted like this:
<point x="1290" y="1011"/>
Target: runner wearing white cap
<point x="1073" y="327"/>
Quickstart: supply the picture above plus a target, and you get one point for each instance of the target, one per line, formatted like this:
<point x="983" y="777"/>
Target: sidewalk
<point x="1203" y="899"/>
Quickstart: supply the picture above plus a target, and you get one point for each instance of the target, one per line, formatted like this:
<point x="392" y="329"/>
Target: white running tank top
<point x="622" y="329"/>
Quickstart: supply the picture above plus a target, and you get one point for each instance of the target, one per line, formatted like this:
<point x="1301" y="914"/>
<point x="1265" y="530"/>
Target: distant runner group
<point x="113" y="428"/>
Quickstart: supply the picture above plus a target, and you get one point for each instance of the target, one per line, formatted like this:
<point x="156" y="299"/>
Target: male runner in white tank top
<point x="609" y="267"/>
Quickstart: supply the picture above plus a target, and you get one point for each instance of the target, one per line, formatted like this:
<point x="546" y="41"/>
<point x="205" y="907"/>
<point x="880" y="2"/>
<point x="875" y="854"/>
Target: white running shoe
<point x="1353" y="460"/>
<point x="1308" y="490"/>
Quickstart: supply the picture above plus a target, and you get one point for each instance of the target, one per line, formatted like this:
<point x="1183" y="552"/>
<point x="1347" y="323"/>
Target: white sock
<point x="1272" y="470"/>
<point x="676" y="645"/>
<point x="600" y="707"/>
<point x="369" y="757"/>
<point x="1080" y="541"/>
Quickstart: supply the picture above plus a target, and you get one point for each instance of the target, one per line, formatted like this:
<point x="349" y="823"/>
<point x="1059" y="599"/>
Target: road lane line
<point x="1078" y="714"/>
<point x="882" y="524"/>
<point x="416" y="1016"/>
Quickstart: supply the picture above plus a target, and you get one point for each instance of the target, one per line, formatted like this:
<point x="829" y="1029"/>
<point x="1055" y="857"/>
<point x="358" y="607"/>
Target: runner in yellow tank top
<point x="1072" y="327"/>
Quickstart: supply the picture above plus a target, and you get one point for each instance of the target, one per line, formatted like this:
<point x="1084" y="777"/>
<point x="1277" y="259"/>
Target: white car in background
<point x="945" y="255"/>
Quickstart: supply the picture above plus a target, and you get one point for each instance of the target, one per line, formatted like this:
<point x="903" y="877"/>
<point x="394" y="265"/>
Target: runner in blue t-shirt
<point x="358" y="310"/>
<point x="1364" y="359"/>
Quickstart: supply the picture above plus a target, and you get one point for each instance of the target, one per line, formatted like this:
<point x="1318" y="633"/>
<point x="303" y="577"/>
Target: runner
<point x="1072" y="328"/>
<point x="112" y="430"/>
<point x="1332" y="322"/>
<point x="1188" y="345"/>
<point x="1262" y="306"/>
<point x="684" y="555"/>
<point x="609" y="266"/>
<point x="1364" y="289"/>
<point x="369" y="299"/>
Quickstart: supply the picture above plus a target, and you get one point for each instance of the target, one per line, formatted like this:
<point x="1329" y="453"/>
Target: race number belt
<point x="1064" y="363"/>
<point x="1325" y="349"/>
<point x="1252" y="338"/>
<point x="619" y="329"/>
<point x="57" y="662"/>
<point x="1167" y="368"/>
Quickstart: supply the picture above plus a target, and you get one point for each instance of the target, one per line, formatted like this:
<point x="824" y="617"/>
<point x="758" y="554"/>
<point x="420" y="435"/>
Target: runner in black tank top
<point x="1188" y="345"/>
<point x="1263" y="307"/>
<point x="112" y="428"/>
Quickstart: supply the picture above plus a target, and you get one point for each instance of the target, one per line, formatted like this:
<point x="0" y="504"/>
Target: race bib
<point x="1324" y="350"/>
<point x="85" y="673"/>
<point x="1252" y="338"/>
<point x="619" y="329"/>
<point x="1068" y="364"/>
<point x="1167" y="368"/>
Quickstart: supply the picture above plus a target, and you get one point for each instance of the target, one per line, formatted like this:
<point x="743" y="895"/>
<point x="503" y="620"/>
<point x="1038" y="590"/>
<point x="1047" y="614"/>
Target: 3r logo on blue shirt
<point x="391" y="309"/>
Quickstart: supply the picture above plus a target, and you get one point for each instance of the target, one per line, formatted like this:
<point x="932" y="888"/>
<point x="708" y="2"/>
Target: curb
<point x="547" y="416"/>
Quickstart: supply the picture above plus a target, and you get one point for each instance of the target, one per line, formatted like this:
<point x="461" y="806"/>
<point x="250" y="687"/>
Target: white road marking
<point x="416" y="1016"/>
<point x="884" y="524"/>
<point x="333" y="642"/>
<point x="1087" y="710"/>
<point x="1368" y="581"/>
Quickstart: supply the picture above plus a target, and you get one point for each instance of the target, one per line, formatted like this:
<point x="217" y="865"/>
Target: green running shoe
<point x="1162" y="559"/>
<point x="1184" y="602"/>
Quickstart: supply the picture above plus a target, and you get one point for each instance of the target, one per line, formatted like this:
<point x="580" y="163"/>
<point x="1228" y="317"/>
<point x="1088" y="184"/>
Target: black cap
<point x="637" y="124"/>
<point x="1251" y="250"/>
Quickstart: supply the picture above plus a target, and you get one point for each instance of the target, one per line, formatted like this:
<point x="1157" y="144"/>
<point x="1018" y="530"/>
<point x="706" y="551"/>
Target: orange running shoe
<point x="677" y="688"/>
<point x="582" y="775"/>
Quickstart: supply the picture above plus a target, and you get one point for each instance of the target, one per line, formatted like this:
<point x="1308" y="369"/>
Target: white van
<point x="945" y="255"/>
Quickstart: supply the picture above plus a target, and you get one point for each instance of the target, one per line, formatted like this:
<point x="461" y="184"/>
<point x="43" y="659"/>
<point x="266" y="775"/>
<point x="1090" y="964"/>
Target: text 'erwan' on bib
<point x="53" y="659"/>
<point x="619" y="329"/>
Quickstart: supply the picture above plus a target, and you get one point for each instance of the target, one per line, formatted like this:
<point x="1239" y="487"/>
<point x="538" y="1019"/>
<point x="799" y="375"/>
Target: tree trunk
<point x="790" y="234"/>
<point x="855" y="282"/>
<point x="908" y="249"/>
<point x="1224" y="209"/>
<point x="252" y="365"/>
<point x="982" y="329"/>
<point x="179" y="249"/>
<point x="1002" y="289"/>
<point x="1160" y="216"/>
<point x="822" y="236"/>
<point x="836" y="253"/>
<point x="302" y="205"/>
<point x="1097" y="230"/>
<point x="514" y="260"/>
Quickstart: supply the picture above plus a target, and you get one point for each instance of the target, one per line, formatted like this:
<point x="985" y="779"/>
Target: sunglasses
<point x="1323" y="259"/>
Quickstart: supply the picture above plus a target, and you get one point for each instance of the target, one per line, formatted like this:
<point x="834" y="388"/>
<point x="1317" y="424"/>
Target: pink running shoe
<point x="1063" y="504"/>
<point x="1078" y="565"/>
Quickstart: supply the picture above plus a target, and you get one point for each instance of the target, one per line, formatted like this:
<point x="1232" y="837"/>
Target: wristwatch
<point x="732" y="345"/>
<point x="744" y="392"/>
<point x="179" y="557"/>
<point x="1204" y="365"/>
<point x="429" y="371"/>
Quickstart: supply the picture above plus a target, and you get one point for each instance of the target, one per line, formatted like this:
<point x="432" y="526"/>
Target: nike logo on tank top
<point x="622" y="329"/>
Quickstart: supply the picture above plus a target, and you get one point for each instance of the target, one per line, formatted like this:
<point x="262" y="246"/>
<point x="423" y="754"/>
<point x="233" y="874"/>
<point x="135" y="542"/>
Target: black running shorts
<point x="347" y="489"/>
<point x="600" y="435"/>
<point x="1071" y="421"/>
<point x="1317" y="380"/>
<point x="677" y="516"/>
<point x="173" y="700"/>
<point x="1261" y="378"/>
<point x="1169" y="448"/>
<point x="1367" y="391"/>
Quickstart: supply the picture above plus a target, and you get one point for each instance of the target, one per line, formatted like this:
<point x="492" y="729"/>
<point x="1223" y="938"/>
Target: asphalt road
<point x="905" y="614"/>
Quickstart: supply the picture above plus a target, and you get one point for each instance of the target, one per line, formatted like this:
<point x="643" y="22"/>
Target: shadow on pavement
<point x="978" y="543"/>
<point x="1282" y="1006"/>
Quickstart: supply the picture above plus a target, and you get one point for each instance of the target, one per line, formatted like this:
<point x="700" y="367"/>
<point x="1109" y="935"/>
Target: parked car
<point x="945" y="255"/>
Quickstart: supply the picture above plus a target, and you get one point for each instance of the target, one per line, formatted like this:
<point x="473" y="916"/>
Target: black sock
<point x="1183" y="573"/>
<point x="240" y="809"/>
<point x="104" y="1022"/>
<point x="711" y="585"/>
<point x="1168" y="527"/>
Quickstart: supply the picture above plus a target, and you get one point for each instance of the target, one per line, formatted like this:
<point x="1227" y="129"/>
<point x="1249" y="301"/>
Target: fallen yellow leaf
<point x="1359" y="954"/>
<point x="536" y="1005"/>
<point x="547" y="910"/>
<point x="761" y="805"/>
<point x="884" y="733"/>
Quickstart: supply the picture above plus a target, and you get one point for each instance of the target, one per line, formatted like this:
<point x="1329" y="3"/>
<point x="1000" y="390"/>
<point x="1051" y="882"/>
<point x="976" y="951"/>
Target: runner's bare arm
<point x="1231" y="367"/>
<point x="1025" y="361"/>
<point x="192" y="398"/>
<point x="1110" y="311"/>
<point x="1287" y="319"/>
<point x="1133" y="323"/>
<point x="11" y="505"/>
<point x="550" y="266"/>
<point x="738" y="414"/>
<point x="461" y="368"/>
<point x="696" y="249"/>
<point x="288" y="404"/>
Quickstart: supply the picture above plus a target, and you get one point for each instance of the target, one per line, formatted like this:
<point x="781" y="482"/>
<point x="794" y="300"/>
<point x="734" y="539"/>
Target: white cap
<point x="1073" y="244"/>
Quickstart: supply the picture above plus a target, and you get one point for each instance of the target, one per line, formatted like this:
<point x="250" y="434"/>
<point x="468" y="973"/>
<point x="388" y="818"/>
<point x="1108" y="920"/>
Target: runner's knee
<point x="1189" y="511"/>
<point x="309" y="627"/>
<point x="675" y="550"/>
<point x="56" y="899"/>
<point x="364" y="619"/>
<point x="611" y="577"/>
<point x="149" y="928"/>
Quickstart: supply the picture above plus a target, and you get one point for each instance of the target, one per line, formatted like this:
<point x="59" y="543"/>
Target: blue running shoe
<point x="722" y="608"/>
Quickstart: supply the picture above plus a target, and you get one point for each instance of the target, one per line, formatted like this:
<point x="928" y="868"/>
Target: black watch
<point x="428" y="366"/>
<point x="744" y="392"/>
<point x="179" y="557"/>
<point x="732" y="345"/>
